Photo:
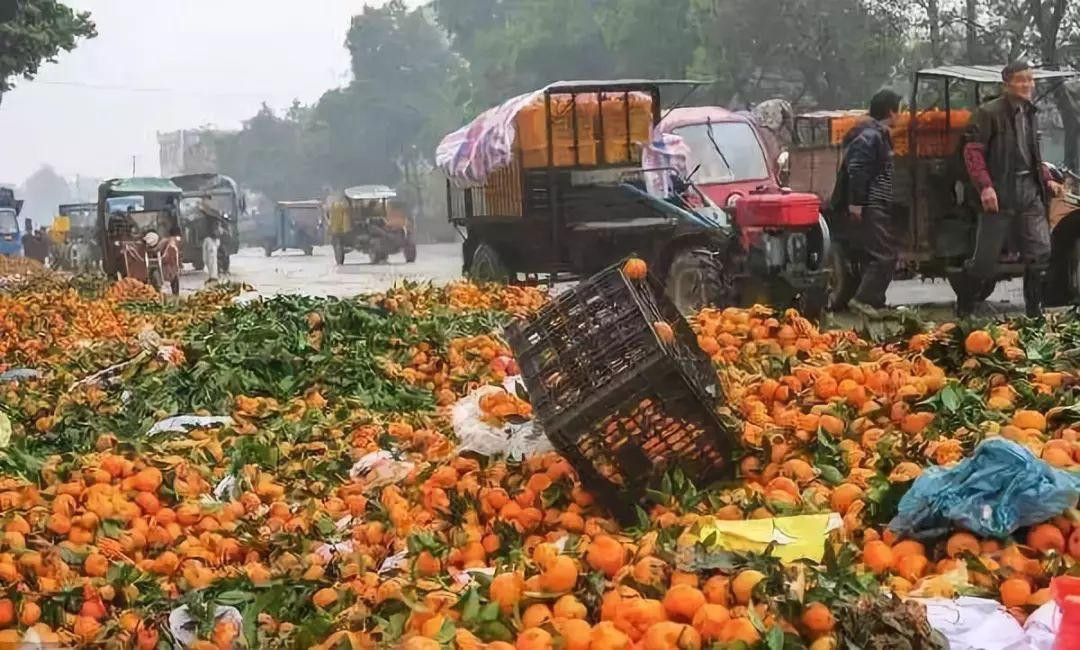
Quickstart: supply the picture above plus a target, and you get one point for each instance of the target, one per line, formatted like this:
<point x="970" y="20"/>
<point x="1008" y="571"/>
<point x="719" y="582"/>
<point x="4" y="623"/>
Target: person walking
<point x="1003" y="160"/>
<point x="866" y="185"/>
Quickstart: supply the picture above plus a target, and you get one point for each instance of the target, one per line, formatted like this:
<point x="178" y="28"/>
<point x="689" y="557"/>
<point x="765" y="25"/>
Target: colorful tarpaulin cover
<point x="484" y="145"/>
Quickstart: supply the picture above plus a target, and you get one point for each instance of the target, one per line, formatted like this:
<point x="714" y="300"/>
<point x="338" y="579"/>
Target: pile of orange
<point x="327" y="525"/>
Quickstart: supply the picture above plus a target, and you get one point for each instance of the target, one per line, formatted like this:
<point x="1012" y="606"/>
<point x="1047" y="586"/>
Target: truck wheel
<point x="486" y="265"/>
<point x="813" y="302"/>
<point x="843" y="279"/>
<point x="174" y="285"/>
<point x="983" y="288"/>
<point x="339" y="250"/>
<point x="698" y="278"/>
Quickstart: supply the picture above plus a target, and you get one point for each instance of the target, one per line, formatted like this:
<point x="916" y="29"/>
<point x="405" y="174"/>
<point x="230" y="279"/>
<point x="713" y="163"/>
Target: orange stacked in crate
<point x="582" y="113"/>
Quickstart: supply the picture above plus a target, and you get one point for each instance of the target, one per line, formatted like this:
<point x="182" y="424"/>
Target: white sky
<point x="161" y="65"/>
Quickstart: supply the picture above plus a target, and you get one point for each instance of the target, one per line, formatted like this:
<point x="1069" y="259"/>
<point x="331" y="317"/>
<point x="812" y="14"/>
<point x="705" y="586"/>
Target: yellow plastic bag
<point x="710" y="543"/>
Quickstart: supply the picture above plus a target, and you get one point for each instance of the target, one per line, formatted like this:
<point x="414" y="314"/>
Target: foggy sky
<point x="160" y="65"/>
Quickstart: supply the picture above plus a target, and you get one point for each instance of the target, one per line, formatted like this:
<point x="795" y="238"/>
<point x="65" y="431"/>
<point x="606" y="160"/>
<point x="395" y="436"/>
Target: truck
<point x="558" y="184"/>
<point x="209" y="200"/>
<point x="933" y="194"/>
<point x="10" y="235"/>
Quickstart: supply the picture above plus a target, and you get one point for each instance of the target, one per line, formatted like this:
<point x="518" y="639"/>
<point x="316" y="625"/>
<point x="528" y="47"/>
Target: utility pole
<point x="133" y="165"/>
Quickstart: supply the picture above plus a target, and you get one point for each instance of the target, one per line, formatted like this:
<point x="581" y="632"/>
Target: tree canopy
<point x="39" y="31"/>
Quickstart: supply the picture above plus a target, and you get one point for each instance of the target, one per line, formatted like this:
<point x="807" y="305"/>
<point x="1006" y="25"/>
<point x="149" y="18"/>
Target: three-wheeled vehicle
<point x="139" y="230"/>
<point x="371" y="223"/>
<point x="10" y="235"/>
<point x="565" y="181"/>
<point x="932" y="190"/>
<point x="296" y="224"/>
<point x="75" y="237"/>
<point x="209" y="201"/>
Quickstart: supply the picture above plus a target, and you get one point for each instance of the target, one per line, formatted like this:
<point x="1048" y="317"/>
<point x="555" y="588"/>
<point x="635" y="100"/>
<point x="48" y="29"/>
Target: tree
<point x="43" y="191"/>
<point x="39" y="31"/>
<point x="1055" y="23"/>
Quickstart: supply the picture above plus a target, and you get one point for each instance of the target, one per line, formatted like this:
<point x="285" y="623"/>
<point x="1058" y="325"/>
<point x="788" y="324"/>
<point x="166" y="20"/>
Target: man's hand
<point x="1057" y="190"/>
<point x="989" y="200"/>
<point x="856" y="212"/>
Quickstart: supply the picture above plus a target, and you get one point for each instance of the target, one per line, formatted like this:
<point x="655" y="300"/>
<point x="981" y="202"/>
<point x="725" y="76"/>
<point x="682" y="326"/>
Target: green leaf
<point x="489" y="612"/>
<point x="774" y="639"/>
<point x="234" y="597"/>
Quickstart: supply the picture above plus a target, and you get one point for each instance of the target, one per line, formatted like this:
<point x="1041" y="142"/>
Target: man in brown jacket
<point x="1005" y="165"/>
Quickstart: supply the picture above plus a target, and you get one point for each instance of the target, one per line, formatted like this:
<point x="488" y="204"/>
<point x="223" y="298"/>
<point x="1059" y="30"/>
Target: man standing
<point x="1005" y="165"/>
<point x="868" y="167"/>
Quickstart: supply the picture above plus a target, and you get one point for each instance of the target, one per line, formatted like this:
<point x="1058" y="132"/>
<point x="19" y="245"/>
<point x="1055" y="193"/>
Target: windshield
<point x="740" y="157"/>
<point x="9" y="223"/>
<point x="122" y="203"/>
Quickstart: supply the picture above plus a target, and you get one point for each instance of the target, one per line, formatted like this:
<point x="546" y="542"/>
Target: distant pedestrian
<point x="210" y="246"/>
<point x="865" y="187"/>
<point x="1005" y="165"/>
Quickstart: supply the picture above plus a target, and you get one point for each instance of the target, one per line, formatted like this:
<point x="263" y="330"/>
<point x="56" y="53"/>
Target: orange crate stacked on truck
<point x="589" y="111"/>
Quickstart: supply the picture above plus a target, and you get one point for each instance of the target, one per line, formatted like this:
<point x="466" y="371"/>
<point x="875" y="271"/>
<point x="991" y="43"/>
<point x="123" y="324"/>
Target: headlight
<point x="151" y="239"/>
<point x="732" y="200"/>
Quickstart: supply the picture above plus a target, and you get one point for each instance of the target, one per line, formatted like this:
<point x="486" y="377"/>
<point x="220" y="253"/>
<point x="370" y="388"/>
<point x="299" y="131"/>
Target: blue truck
<point x="10" y="236"/>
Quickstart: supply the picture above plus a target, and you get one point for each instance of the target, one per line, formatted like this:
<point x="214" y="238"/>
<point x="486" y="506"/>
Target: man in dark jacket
<point x="1005" y="165"/>
<point x="868" y="167"/>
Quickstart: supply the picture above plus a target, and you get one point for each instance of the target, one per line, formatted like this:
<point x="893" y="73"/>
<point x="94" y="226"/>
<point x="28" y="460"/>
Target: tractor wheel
<point x="154" y="277"/>
<point x="697" y="277"/>
<point x="983" y="288"/>
<point x="339" y="250"/>
<point x="486" y="265"/>
<point x="843" y="279"/>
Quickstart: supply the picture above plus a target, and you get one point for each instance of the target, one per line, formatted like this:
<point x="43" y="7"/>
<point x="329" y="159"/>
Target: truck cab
<point x="10" y="235"/>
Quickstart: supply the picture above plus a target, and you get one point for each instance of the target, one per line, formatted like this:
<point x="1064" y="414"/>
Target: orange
<point x="664" y="332"/>
<point x="605" y="554"/>
<point x="740" y="629"/>
<point x="683" y="601"/>
<point x="560" y="575"/>
<point x="324" y="598"/>
<point x="962" y="543"/>
<point x="7" y="612"/>
<point x="742" y="586"/>
<point x="536" y="615"/>
<point x="818" y="619"/>
<point x="605" y="636"/>
<point x="506" y="590"/>
<point x="877" y="556"/>
<point x="717" y="590"/>
<point x="710" y="620"/>
<point x="635" y="268"/>
<point x="979" y="342"/>
<point x="667" y="635"/>
<point x="1045" y="538"/>
<point x="30" y="613"/>
<point x="569" y="606"/>
<point x="843" y="496"/>
<point x="1029" y="420"/>
<point x="534" y="639"/>
<point x="96" y="565"/>
<point x="1015" y="592"/>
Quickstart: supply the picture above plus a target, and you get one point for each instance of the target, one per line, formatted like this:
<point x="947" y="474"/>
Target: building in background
<point x="188" y="151"/>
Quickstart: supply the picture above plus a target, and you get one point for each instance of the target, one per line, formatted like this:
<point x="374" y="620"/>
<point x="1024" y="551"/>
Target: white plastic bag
<point x="974" y="624"/>
<point x="511" y="440"/>
<point x="380" y="468"/>
<point x="188" y="422"/>
<point x="1042" y="626"/>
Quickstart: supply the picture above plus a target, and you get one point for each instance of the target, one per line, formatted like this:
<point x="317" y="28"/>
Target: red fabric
<point x="1066" y="592"/>
<point x="975" y="161"/>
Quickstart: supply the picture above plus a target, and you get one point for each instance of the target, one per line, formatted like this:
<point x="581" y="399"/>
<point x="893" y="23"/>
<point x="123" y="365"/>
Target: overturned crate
<point x="621" y="396"/>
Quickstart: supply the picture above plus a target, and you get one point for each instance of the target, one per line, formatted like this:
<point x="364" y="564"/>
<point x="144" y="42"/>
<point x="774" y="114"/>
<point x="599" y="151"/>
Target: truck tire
<point x="697" y="278"/>
<point x="983" y="288"/>
<point x="485" y="265"/>
<point x="339" y="250"/>
<point x="843" y="279"/>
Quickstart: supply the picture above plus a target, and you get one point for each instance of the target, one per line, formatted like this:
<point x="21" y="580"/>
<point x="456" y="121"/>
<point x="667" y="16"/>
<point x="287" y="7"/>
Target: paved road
<point x="292" y="272"/>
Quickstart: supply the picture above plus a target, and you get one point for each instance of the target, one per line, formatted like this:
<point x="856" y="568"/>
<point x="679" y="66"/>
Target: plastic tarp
<point x="511" y="440"/>
<point x="1000" y="488"/>
<point x="484" y="145"/>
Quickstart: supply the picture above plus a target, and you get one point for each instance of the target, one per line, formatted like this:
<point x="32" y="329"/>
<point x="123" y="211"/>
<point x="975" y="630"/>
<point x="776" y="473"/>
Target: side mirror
<point x="1056" y="174"/>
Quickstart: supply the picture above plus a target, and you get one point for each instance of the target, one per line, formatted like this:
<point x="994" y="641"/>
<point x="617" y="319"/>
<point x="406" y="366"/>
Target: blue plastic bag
<point x="1002" y="487"/>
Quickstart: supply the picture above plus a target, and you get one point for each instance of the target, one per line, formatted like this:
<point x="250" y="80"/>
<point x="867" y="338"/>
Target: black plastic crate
<point x="621" y="404"/>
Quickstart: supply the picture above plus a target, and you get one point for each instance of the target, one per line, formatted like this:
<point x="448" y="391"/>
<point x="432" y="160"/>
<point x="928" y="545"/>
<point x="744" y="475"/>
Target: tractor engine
<point x="780" y="232"/>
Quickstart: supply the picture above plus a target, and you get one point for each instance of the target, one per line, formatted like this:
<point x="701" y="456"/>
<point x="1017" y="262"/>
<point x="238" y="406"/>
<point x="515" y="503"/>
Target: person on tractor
<point x="865" y="185"/>
<point x="1002" y="157"/>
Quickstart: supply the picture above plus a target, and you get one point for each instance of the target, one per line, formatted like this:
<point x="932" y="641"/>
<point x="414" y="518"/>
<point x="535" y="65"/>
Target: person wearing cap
<point x="1002" y="158"/>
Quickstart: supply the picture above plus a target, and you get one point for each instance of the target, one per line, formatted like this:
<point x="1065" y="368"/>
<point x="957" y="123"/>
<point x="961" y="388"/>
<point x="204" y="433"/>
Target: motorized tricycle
<point x="75" y="237"/>
<point x="10" y="235"/>
<point x="593" y="174"/>
<point x="367" y="221"/>
<point x="210" y="203"/>
<point x="933" y="194"/>
<point x="295" y="224"/>
<point x="139" y="230"/>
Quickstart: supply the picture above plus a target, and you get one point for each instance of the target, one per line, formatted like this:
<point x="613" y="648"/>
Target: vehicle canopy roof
<point x="307" y="204"/>
<point x="679" y="117"/>
<point x="68" y="208"/>
<point x="986" y="74"/>
<point x="370" y="193"/>
<point x="139" y="185"/>
<point x="210" y="182"/>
